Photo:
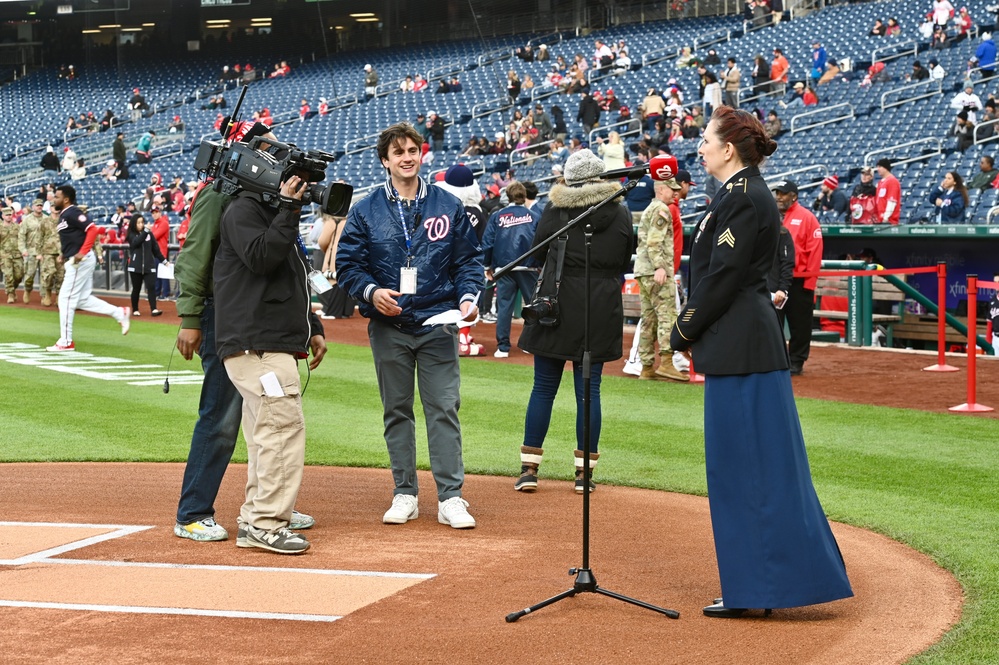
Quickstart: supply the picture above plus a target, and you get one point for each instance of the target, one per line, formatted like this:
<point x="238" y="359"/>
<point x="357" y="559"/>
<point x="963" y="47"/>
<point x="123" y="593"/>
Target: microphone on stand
<point x="660" y="167"/>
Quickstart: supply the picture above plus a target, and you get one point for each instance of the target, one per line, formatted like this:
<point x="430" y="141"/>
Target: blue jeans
<point x="214" y="438"/>
<point x="547" y="377"/>
<point x="506" y="295"/>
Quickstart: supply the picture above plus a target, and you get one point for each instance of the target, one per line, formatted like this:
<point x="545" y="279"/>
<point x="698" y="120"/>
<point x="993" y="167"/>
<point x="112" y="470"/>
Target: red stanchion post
<point x="941" y="365"/>
<point x="971" y="406"/>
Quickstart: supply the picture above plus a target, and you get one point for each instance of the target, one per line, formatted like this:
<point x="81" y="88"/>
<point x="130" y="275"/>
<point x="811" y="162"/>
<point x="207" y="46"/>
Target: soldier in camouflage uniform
<point x="27" y="241"/>
<point x="656" y="286"/>
<point x="49" y="258"/>
<point x="11" y="262"/>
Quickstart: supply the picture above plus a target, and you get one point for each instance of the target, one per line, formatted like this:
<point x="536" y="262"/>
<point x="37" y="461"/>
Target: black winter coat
<point x="589" y="111"/>
<point x="610" y="256"/>
<point x="262" y="298"/>
<point x="144" y="252"/>
<point x="729" y="320"/>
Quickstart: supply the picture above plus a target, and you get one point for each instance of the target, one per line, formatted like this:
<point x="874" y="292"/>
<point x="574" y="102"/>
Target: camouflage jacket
<point x="8" y="240"/>
<point x="27" y="237"/>
<point x="655" y="240"/>
<point x="48" y="237"/>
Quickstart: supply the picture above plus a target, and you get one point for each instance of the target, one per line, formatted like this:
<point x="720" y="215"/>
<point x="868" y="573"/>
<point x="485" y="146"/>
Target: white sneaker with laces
<point x="501" y="354"/>
<point x="454" y="513"/>
<point x="405" y="507"/>
<point x="125" y="320"/>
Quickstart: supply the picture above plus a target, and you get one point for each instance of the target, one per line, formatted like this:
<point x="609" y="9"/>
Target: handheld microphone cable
<point x="166" y="381"/>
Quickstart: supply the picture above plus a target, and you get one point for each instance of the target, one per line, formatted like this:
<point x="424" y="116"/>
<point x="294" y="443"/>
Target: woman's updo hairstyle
<point x="745" y="132"/>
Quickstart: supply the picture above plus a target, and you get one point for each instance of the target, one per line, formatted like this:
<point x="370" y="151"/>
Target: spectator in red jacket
<point x="807" y="236"/>
<point x="161" y="232"/>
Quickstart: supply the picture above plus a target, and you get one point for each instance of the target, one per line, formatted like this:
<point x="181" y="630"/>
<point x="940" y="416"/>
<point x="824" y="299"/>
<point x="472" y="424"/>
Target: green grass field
<point x="927" y="480"/>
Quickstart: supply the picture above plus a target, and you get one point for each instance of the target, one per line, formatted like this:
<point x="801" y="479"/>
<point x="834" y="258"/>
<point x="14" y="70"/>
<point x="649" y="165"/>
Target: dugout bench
<point x="861" y="295"/>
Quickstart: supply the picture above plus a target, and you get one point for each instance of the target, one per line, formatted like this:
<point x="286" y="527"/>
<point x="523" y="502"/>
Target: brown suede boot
<point x="27" y="296"/>
<point x="580" y="481"/>
<point x="11" y="297"/>
<point x="47" y="298"/>
<point x="648" y="372"/>
<point x="530" y="460"/>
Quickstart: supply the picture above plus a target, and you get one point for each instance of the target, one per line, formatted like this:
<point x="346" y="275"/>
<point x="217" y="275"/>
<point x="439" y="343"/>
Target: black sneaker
<point x="281" y="541"/>
<point x="528" y="482"/>
<point x="580" y="485"/>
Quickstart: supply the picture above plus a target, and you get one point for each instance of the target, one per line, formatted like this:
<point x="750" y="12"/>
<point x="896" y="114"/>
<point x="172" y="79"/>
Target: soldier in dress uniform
<point x="49" y="258"/>
<point x="657" y="288"/>
<point x="772" y="540"/>
<point x="11" y="263"/>
<point x="27" y="241"/>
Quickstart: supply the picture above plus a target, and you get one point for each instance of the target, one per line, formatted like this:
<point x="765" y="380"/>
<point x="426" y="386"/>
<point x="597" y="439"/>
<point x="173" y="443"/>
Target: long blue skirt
<point x="773" y="541"/>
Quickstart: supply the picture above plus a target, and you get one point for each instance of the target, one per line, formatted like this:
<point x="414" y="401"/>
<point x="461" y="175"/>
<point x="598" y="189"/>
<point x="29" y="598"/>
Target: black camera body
<point x="249" y="167"/>
<point x="542" y="310"/>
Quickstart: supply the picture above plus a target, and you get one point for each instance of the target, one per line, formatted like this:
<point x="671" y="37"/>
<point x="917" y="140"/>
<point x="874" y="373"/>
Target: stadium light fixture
<point x="367" y="20"/>
<point x="217" y="20"/>
<point x="364" y="15"/>
<point x="110" y="26"/>
<point x="131" y="29"/>
<point x="91" y="32"/>
<point x="148" y="25"/>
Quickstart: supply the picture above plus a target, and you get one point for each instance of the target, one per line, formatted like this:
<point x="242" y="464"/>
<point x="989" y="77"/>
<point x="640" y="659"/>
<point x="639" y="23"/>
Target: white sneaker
<point x="405" y="507"/>
<point x="633" y="368"/>
<point x="680" y="362"/>
<point x="501" y="354"/>
<point x="203" y="530"/>
<point x="61" y="346"/>
<point x="454" y="512"/>
<point x="125" y="320"/>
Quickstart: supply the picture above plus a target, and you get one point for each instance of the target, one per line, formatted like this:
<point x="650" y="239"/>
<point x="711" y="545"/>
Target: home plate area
<point x="33" y="578"/>
<point x="90" y="572"/>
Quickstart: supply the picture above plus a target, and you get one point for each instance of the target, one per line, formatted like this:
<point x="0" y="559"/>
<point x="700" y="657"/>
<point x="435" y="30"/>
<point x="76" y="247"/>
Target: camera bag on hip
<point x="543" y="308"/>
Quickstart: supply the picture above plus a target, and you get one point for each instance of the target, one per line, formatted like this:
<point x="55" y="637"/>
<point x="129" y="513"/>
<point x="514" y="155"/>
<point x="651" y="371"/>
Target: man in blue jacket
<point x="408" y="253"/>
<point x="509" y="234"/>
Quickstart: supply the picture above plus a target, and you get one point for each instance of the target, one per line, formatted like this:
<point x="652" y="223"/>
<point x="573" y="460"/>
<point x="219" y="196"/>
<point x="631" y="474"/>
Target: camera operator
<point x="217" y="427"/>
<point x="407" y="253"/>
<point x="264" y="322"/>
<point x="552" y="346"/>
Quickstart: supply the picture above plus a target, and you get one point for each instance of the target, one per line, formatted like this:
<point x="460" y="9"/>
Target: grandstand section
<point x="853" y="124"/>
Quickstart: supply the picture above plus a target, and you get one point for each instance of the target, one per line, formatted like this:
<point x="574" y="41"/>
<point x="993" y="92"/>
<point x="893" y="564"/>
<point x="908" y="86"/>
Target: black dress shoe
<point x="719" y="611"/>
<point x="796" y="370"/>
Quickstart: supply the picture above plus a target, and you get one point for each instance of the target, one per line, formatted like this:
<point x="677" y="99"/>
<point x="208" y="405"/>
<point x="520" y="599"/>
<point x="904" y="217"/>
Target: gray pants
<point x="434" y="357"/>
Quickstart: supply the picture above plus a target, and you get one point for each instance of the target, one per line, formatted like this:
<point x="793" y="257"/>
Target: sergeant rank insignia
<point x="727" y="238"/>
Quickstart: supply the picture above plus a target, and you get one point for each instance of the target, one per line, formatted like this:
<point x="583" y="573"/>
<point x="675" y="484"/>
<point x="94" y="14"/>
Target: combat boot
<point x="47" y="298"/>
<point x="27" y="296"/>
<point x="530" y="460"/>
<point x="648" y="372"/>
<point x="580" y="481"/>
<point x="11" y="298"/>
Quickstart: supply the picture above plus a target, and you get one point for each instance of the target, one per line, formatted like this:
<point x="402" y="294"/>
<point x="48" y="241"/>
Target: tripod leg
<point x="672" y="614"/>
<point x="510" y="618"/>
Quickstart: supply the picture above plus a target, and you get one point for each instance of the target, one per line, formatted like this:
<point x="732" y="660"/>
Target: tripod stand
<point x="585" y="580"/>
